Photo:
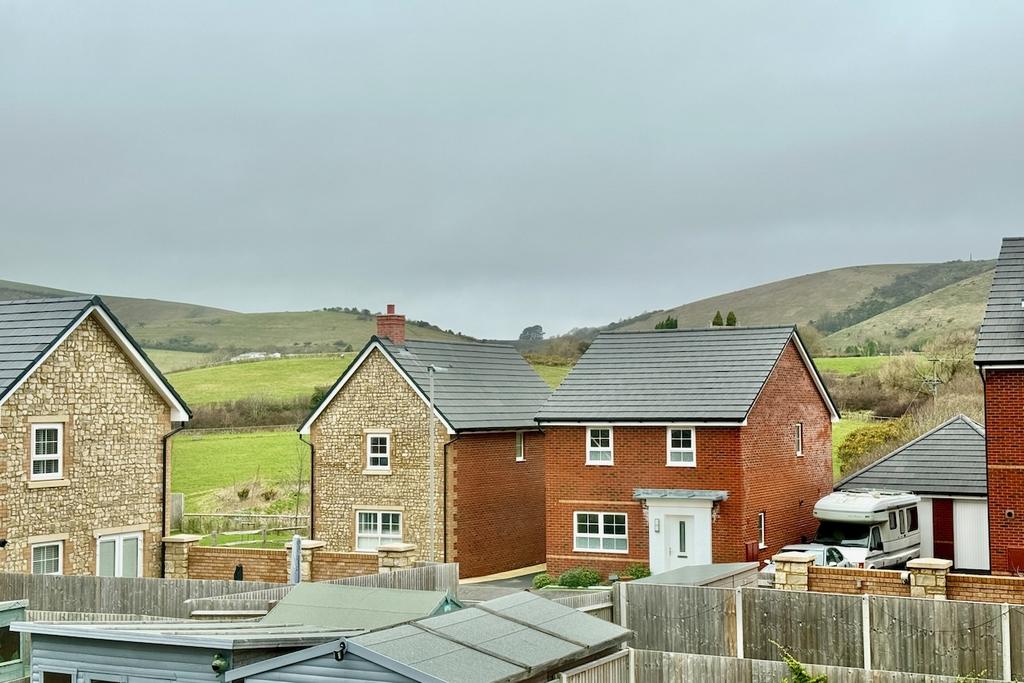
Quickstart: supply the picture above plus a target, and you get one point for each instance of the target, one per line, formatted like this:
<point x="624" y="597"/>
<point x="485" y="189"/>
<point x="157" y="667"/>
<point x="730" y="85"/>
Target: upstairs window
<point x="599" y="446"/>
<point x="377" y="528"/>
<point x="762" y="542"/>
<point x="48" y="558"/>
<point x="47" y="451"/>
<point x="682" y="451"/>
<point x="378" y="451"/>
<point x="520" y="447"/>
<point x="798" y="438"/>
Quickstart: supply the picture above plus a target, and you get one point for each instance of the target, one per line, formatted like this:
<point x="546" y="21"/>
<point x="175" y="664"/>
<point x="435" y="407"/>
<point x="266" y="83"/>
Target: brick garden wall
<point x="219" y="563"/>
<point x="985" y="588"/>
<point x="1004" y="439"/>
<point x="776" y="481"/>
<point x="857" y="581"/>
<point x="328" y="565"/>
<point x="497" y="521"/>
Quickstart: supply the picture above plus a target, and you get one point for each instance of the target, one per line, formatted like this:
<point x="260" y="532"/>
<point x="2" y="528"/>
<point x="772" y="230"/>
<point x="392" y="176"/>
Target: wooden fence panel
<point x="682" y="618"/>
<point x="1017" y="642"/>
<point x="936" y="636"/>
<point x="611" y="669"/>
<point x="818" y="628"/>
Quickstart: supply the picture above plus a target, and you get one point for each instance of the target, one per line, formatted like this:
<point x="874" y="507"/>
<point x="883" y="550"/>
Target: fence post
<point x="739" y="623"/>
<point x="865" y="616"/>
<point x="176" y="554"/>
<point x="307" y="548"/>
<point x="1007" y="662"/>
<point x="928" y="577"/>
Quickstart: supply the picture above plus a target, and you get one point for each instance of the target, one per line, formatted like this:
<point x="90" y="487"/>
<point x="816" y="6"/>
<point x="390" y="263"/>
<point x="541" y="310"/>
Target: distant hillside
<point x="213" y="332"/>
<point x="956" y="307"/>
<point x="794" y="300"/>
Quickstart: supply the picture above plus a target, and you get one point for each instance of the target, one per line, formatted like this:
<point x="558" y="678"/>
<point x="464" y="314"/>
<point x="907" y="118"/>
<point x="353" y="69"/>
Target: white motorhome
<point x="875" y="529"/>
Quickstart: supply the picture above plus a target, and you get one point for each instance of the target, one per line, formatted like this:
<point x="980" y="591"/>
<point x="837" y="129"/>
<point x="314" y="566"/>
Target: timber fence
<point x="878" y="633"/>
<point x="615" y="668"/>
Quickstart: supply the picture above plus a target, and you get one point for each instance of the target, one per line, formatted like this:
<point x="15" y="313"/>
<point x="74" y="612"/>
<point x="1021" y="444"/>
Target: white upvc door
<point x="679" y="541"/>
<point x="679" y="533"/>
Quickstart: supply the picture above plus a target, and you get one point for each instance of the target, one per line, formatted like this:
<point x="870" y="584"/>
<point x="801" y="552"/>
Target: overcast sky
<point x="488" y="165"/>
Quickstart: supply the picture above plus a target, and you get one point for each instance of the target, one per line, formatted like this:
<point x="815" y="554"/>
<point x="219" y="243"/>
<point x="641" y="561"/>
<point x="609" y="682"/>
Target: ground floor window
<point x="119" y="555"/>
<point x="48" y="558"/>
<point x="600" y="532"/>
<point x="377" y="528"/>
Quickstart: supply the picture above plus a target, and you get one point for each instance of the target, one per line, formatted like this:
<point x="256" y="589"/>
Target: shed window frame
<point x="602" y="535"/>
<point x="41" y="458"/>
<point x="676" y="455"/>
<point x="60" y="558"/>
<point x="605" y="454"/>
<point x="377" y="533"/>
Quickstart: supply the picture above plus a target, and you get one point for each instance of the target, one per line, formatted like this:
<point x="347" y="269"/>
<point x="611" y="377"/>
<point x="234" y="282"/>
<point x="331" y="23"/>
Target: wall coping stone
<point x="794" y="557"/>
<point x="396" y="548"/>
<point x="306" y="545"/>
<point x="182" y="538"/>
<point x="933" y="563"/>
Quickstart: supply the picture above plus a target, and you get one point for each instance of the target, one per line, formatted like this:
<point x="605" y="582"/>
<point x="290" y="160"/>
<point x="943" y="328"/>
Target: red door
<point x="942" y="527"/>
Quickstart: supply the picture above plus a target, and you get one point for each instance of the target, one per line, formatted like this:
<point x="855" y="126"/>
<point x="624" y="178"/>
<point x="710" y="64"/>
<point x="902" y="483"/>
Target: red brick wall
<point x="497" y="507"/>
<point x="856" y="581"/>
<point x="219" y="563"/>
<point x="756" y="464"/>
<point x="786" y="487"/>
<point x="1004" y="437"/>
<point x="985" y="588"/>
<point x="327" y="565"/>
<point x="639" y="454"/>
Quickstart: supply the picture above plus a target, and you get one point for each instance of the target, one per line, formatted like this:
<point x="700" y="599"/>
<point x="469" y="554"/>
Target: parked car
<point x="874" y="529"/>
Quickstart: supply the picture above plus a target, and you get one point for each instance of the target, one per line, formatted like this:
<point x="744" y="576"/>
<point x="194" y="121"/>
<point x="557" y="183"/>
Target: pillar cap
<point x="929" y="563"/>
<point x="798" y="558"/>
<point x="307" y="544"/>
<point x="396" y="547"/>
<point x="182" y="538"/>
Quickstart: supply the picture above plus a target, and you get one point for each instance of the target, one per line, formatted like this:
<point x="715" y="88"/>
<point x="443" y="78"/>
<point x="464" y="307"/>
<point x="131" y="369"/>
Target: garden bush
<point x="542" y="580"/>
<point x="637" y="571"/>
<point x="579" y="577"/>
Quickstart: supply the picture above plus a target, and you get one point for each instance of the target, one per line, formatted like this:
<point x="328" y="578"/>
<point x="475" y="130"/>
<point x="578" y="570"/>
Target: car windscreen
<point x="843" y="533"/>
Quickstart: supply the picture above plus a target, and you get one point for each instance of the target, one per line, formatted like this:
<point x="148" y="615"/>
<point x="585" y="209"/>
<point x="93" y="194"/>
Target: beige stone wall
<point x="376" y="397"/>
<point x="113" y="425"/>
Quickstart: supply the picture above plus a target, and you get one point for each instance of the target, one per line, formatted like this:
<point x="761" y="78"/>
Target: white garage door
<point x="970" y="533"/>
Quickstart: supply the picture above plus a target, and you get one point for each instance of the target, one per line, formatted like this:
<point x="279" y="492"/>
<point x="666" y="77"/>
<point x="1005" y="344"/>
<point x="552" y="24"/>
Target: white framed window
<point x="798" y="438"/>
<point x="375" y="528"/>
<point x="520" y="447"/>
<point x="599" y="446"/>
<point x="378" y="451"/>
<point x="600" y="532"/>
<point x="761" y="533"/>
<point x="47" y="451"/>
<point x="48" y="558"/>
<point x="682" y="447"/>
<point x="119" y="555"/>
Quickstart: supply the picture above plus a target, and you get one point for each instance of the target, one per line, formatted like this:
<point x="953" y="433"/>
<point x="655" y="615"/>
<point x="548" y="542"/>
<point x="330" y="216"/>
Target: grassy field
<point x="850" y="365"/>
<point x="552" y="374"/>
<point x="280" y="378"/>
<point x="208" y="468"/>
<point x="175" y="361"/>
<point x="842" y="429"/>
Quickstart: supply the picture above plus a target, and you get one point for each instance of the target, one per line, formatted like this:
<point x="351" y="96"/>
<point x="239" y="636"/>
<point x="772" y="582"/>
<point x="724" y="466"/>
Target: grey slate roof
<point x="1001" y="338"/>
<point x="511" y="638"/>
<point x="948" y="460"/>
<point x="707" y="375"/>
<point x="29" y="328"/>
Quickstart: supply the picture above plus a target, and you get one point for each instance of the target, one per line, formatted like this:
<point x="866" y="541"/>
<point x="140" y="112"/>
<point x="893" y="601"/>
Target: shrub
<point x="268" y="495"/>
<point x="542" y="580"/>
<point x="243" y="493"/>
<point x="637" y="571"/>
<point x="579" y="577"/>
<point x="870" y="442"/>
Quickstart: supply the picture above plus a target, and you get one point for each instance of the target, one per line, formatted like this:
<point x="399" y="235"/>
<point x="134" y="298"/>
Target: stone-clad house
<point x="684" y="447"/>
<point x="85" y="420"/>
<point x="478" y="499"/>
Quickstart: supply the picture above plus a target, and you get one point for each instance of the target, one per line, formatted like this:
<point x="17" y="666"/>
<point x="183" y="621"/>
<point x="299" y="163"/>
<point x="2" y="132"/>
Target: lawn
<point x="552" y="374"/>
<point x="850" y="365"/>
<point x="173" y="361"/>
<point x="281" y="378"/>
<point x="842" y="429"/>
<point x="206" y="466"/>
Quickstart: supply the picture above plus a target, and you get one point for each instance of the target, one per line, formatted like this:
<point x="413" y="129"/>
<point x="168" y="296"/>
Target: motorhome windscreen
<point x="843" y="534"/>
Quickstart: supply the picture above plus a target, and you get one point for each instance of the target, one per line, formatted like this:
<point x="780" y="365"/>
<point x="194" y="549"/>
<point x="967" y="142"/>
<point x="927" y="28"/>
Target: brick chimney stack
<point x="391" y="325"/>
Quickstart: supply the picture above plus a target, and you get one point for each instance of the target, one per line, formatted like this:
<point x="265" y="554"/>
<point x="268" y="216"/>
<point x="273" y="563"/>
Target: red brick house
<point x="999" y="357"/>
<point x="465" y="485"/>
<point x="681" y="447"/>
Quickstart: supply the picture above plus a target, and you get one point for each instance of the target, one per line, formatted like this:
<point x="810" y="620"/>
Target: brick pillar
<point x="305" y="557"/>
<point x="176" y="554"/>
<point x="928" y="577"/>
<point x="791" y="570"/>
<point x="395" y="556"/>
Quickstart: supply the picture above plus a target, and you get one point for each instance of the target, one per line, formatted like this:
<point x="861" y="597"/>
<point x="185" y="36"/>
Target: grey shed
<point x="947" y="461"/>
<point x="1001" y="338"/>
<point x="710" y="375"/>
<point x="479" y="386"/>
<point x="514" y="638"/>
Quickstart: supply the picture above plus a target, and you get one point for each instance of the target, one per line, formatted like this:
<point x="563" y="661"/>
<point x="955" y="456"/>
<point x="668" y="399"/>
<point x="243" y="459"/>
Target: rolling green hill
<point x="956" y="307"/>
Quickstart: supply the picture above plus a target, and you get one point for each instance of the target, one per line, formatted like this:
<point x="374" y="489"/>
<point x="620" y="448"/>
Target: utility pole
<point x="933" y="382"/>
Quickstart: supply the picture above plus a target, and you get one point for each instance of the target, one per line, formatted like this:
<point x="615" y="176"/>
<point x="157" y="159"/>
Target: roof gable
<point x="477" y="386"/>
<point x="948" y="460"/>
<point x="710" y="375"/>
<point x="1001" y="337"/>
<point x="32" y="329"/>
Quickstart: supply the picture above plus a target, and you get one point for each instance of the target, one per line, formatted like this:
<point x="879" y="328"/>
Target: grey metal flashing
<point x="681" y="494"/>
<point x="1001" y="336"/>
<point x="947" y="460"/>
